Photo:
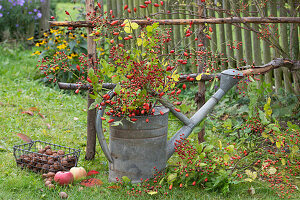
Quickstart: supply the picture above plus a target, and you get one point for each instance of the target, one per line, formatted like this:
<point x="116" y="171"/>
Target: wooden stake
<point x="91" y="114"/>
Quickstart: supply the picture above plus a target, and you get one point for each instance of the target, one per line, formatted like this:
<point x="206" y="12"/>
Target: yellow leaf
<point x="175" y="76"/>
<point x="247" y="171"/>
<point x="226" y="157"/>
<point x="230" y="148"/>
<point x="198" y="78"/>
<point x="134" y="25"/>
<point x="127" y="29"/>
<point x="283" y="161"/>
<point x="220" y="144"/>
<point x="248" y="179"/>
<point x="278" y="145"/>
<point x="272" y="170"/>
<point x="264" y="135"/>
<point x="139" y="41"/>
<point x="152" y="192"/>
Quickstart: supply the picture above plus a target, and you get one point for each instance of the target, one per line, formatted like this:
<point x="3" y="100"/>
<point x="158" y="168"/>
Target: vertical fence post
<point x="277" y="72"/>
<point x="238" y="35"/>
<point x="294" y="46"/>
<point x="200" y="96"/>
<point x="222" y="37"/>
<point x="284" y="44"/>
<point x="256" y="43"/>
<point x="228" y="29"/>
<point x="45" y="10"/>
<point x="214" y="40"/>
<point x="91" y="114"/>
<point x="248" y="43"/>
<point x="267" y="53"/>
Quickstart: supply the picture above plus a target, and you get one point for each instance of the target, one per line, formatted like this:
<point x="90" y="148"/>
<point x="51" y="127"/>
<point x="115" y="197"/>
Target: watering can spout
<point x="228" y="79"/>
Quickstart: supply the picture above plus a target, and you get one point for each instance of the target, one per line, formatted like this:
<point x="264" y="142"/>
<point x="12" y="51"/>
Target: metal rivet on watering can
<point x="136" y="148"/>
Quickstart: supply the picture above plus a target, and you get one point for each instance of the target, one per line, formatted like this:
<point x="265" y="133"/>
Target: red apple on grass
<point x="63" y="178"/>
<point x="78" y="173"/>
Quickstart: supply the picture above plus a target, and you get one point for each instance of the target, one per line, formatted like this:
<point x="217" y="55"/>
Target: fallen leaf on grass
<point x="92" y="172"/>
<point x="24" y="137"/>
<point x="91" y="182"/>
<point x="28" y="112"/>
<point x="34" y="109"/>
<point x="114" y="187"/>
<point x="42" y="116"/>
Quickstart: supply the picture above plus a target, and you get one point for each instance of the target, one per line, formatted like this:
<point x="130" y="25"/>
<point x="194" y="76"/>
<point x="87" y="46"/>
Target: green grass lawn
<point x="66" y="115"/>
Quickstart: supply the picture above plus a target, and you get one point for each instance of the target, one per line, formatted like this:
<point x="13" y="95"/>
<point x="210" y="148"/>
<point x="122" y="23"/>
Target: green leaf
<point x="91" y="72"/>
<point x="117" y="123"/>
<point x="126" y="179"/>
<point x="171" y="178"/>
<point x="149" y="29"/>
<point x="117" y="89"/>
<point x="202" y="164"/>
<point x="295" y="149"/>
<point x="208" y="148"/>
<point x="199" y="148"/>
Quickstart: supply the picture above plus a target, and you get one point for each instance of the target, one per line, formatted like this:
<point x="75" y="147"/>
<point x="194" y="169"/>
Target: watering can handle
<point x="99" y="131"/>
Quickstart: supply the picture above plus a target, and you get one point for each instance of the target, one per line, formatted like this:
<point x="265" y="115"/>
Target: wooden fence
<point x="241" y="43"/>
<point x="236" y="40"/>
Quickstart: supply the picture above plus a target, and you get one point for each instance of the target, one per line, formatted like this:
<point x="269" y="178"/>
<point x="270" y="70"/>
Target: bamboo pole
<point x="248" y="44"/>
<point x="284" y="43"/>
<point x="108" y="5"/>
<point x="230" y="20"/>
<point x="114" y="7"/>
<point x="257" y="52"/>
<point x="91" y="114"/>
<point x="222" y="38"/>
<point x="214" y="40"/>
<point x="294" y="46"/>
<point x="267" y="54"/>
<point x="238" y="35"/>
<point x="228" y="30"/>
<point x="277" y="72"/>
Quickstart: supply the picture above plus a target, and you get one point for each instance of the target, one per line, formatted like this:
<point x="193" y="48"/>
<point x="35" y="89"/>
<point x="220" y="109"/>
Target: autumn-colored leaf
<point x="114" y="187"/>
<point x="91" y="182"/>
<point x="24" y="137"/>
<point x="92" y="172"/>
<point x="34" y="109"/>
<point x="42" y="116"/>
<point x="28" y="112"/>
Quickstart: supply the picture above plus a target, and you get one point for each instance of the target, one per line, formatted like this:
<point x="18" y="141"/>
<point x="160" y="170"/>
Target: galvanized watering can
<point x="137" y="149"/>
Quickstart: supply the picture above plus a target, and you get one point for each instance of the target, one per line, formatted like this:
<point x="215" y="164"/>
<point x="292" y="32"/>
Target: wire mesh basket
<point x="44" y="157"/>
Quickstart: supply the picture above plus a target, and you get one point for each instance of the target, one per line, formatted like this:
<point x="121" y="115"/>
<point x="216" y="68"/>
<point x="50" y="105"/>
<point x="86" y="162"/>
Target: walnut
<point x="60" y="152"/>
<point x="47" y="147"/>
<point x="49" y="152"/>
